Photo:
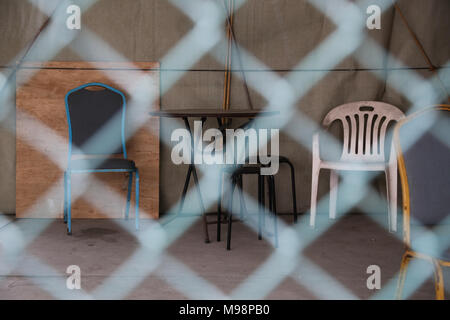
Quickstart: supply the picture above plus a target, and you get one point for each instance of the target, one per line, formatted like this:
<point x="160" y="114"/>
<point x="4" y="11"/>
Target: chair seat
<point x="280" y="158"/>
<point x="102" y="164"/>
<point x="354" y="166"/>
<point x="283" y="159"/>
<point x="243" y="169"/>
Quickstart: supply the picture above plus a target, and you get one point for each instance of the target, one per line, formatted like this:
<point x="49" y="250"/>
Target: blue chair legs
<point x="130" y="186"/>
<point x="137" y="200"/>
<point x="69" y="204"/>
<point x="65" y="197"/>
<point x="68" y="200"/>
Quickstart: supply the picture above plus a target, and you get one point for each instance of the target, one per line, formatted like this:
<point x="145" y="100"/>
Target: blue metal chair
<point x="96" y="121"/>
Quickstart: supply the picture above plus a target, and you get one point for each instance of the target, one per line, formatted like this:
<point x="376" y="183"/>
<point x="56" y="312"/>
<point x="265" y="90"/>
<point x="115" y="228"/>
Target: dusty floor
<point x="115" y="264"/>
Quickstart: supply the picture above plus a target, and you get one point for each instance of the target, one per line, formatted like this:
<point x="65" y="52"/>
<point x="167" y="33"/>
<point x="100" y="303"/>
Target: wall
<point x="278" y="32"/>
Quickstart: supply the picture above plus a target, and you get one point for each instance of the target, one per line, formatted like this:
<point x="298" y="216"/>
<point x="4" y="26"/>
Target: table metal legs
<point x="192" y="171"/>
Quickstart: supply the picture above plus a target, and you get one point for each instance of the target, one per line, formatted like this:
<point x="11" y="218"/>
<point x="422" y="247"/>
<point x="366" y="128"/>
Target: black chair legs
<point x="294" y="196"/>
<point x="237" y="180"/>
<point x="243" y="207"/>
<point x="260" y="205"/>
<point x="230" y="211"/>
<point x="219" y="207"/>
<point x="273" y="207"/>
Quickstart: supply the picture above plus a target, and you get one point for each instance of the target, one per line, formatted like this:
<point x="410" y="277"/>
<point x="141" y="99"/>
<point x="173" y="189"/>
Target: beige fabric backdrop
<point x="278" y="32"/>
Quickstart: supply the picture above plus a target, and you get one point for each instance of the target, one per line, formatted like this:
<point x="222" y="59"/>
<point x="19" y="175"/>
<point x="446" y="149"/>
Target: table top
<point x="212" y="112"/>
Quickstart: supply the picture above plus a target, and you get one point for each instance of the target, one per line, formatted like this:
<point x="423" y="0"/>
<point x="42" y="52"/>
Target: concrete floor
<point x="114" y="265"/>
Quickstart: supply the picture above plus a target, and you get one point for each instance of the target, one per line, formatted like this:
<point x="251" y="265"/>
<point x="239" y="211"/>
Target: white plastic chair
<point x="364" y="124"/>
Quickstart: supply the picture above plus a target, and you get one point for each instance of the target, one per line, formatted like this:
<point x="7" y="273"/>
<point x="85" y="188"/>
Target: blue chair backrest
<point x="96" y="120"/>
<point x="425" y="142"/>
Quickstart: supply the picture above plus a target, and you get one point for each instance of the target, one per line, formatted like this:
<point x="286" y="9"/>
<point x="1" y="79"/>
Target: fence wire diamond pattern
<point x="281" y="94"/>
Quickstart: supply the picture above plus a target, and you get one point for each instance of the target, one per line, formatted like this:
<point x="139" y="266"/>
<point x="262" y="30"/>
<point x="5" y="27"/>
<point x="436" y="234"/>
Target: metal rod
<point x="234" y="40"/>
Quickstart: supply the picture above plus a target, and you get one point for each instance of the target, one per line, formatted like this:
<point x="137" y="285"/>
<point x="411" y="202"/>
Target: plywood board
<point x="42" y="140"/>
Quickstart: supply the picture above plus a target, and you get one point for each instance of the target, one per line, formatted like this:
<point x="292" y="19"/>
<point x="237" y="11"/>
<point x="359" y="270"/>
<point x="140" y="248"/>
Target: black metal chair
<point x="96" y="122"/>
<point x="237" y="178"/>
<point x="236" y="181"/>
<point x="424" y="157"/>
<point x="237" y="173"/>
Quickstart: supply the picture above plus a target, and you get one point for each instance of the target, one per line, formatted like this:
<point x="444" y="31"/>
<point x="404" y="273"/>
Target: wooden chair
<point x="364" y="124"/>
<point x="425" y="180"/>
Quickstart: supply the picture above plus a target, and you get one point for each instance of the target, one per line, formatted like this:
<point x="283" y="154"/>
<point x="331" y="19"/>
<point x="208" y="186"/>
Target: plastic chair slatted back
<point x="364" y="124"/>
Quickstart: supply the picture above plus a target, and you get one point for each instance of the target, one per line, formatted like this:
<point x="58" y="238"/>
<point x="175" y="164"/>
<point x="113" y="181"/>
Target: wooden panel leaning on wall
<point x="42" y="140"/>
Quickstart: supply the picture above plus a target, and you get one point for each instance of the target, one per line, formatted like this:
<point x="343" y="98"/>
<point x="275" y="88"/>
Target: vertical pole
<point x="228" y="59"/>
<point x="137" y="199"/>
